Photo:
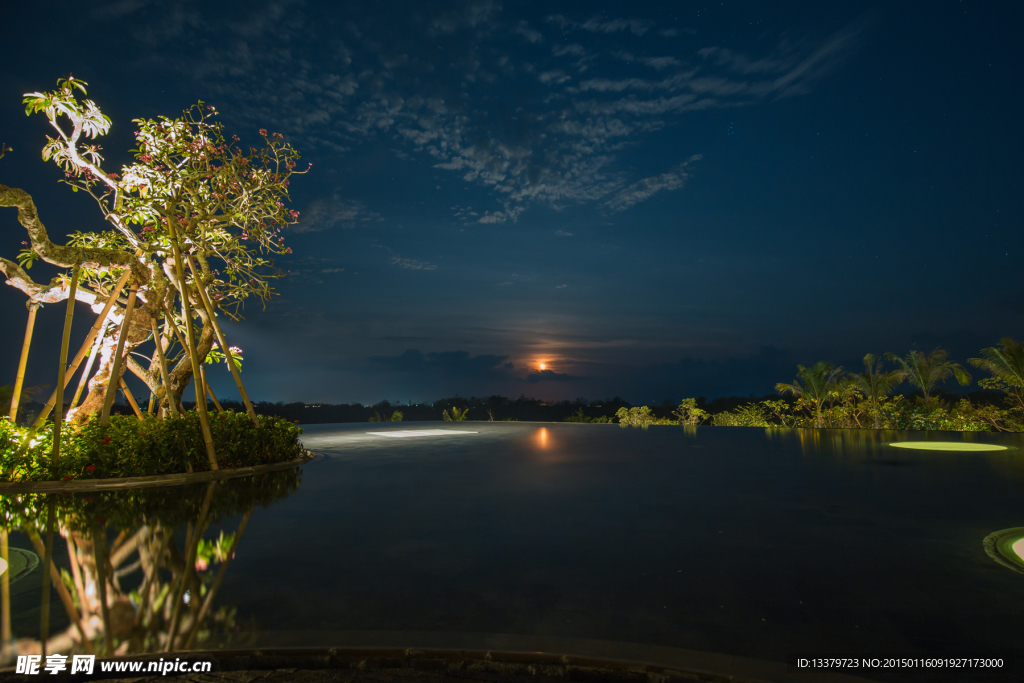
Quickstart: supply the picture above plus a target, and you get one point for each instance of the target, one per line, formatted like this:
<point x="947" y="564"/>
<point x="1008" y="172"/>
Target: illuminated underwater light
<point x="1007" y="548"/>
<point x="947" y="446"/>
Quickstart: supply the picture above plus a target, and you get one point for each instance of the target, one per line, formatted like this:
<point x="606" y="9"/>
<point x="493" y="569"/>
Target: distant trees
<point x="876" y="384"/>
<point x="925" y="371"/>
<point x="864" y="399"/>
<point x="1007" y="367"/>
<point x="820" y="382"/>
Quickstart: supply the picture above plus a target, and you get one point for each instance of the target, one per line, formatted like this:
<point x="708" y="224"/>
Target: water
<point x="644" y="544"/>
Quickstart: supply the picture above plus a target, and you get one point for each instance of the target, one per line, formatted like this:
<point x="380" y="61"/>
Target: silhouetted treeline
<point x="498" y="408"/>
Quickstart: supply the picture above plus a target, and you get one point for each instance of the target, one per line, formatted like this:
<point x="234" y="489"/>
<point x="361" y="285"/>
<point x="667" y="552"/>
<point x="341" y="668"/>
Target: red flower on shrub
<point x="90" y="468"/>
<point x="66" y="478"/>
<point x="106" y="441"/>
<point x="296" y="422"/>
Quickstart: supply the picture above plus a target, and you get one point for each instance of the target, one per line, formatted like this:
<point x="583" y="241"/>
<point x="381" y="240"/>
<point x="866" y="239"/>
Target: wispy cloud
<point x="343" y="86"/>
<point x="657" y="63"/>
<point x="449" y="364"/>
<point x="531" y="35"/>
<point x="548" y="376"/>
<point x="333" y="212"/>
<point x="643" y="190"/>
<point x="600" y="25"/>
<point x="412" y="264"/>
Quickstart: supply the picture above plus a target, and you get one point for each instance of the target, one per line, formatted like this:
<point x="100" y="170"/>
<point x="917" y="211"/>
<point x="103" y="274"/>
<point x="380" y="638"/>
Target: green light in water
<point x="1007" y="548"/>
<point x="947" y="446"/>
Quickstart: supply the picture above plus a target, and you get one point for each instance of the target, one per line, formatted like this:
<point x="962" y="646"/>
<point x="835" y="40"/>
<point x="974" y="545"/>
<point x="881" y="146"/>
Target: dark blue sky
<point x="657" y="200"/>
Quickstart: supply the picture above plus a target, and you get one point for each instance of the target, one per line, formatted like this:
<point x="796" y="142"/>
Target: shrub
<point x="130" y="447"/>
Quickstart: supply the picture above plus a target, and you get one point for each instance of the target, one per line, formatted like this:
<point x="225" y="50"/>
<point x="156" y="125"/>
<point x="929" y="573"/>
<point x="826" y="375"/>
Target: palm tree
<point x="875" y="383"/>
<point x="924" y="372"/>
<point x="455" y="415"/>
<point x="819" y="381"/>
<point x="1006" y="365"/>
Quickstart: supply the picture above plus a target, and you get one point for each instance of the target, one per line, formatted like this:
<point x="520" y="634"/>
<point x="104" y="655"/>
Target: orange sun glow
<point x="542" y="366"/>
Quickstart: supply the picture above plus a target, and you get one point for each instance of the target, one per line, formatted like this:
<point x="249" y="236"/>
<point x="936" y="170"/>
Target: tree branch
<point x="63" y="256"/>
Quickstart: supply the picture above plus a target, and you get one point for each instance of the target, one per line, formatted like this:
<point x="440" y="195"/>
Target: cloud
<point x="447" y="364"/>
<point x="556" y="77"/>
<point x="412" y="264"/>
<point x="330" y="212"/>
<point x="657" y="63"/>
<point x="472" y="15"/>
<point x="755" y="374"/>
<point x="502" y="216"/>
<point x="644" y="189"/>
<point x="333" y="270"/>
<point x="571" y="49"/>
<point x="531" y="35"/>
<point x="116" y="10"/>
<point x="562" y="233"/>
<point x="548" y="376"/>
<point x="600" y="25"/>
<point x="369" y="81"/>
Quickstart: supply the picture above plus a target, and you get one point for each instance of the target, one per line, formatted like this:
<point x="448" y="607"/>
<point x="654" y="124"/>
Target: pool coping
<point x="150" y="481"/>
<point x="448" y="664"/>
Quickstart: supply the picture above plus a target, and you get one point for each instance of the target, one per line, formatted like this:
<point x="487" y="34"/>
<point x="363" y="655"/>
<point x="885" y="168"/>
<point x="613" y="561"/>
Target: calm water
<point x="734" y="541"/>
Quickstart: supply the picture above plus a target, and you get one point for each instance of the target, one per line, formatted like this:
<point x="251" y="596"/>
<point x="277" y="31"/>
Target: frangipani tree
<point x="195" y="224"/>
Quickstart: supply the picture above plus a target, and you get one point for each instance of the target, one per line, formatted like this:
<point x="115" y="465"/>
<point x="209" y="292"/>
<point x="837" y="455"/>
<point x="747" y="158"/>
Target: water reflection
<point x="132" y="571"/>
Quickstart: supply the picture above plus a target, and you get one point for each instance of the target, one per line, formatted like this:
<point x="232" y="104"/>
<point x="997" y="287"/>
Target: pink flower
<point x="263" y="131"/>
<point x="201" y="565"/>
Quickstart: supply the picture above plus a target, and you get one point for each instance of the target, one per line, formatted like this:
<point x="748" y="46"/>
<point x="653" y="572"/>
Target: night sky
<point x="655" y="200"/>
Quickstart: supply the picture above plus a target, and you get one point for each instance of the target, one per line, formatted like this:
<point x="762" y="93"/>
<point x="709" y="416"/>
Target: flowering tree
<point x="195" y="224"/>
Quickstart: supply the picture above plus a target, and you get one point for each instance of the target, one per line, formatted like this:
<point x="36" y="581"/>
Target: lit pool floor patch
<point x="420" y="432"/>
<point x="1007" y="548"/>
<point x="947" y="446"/>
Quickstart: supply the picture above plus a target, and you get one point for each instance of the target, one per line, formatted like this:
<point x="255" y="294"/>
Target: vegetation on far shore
<point x="821" y="395"/>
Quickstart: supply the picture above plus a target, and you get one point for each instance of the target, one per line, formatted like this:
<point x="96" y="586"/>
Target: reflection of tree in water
<point x="147" y="589"/>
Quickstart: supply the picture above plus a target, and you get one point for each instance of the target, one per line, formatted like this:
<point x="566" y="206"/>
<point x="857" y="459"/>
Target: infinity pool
<point x="667" y="544"/>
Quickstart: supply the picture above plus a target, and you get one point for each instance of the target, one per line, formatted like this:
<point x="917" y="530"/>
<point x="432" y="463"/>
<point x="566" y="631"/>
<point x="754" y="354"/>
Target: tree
<point x="820" y="380"/>
<point x="688" y="412"/>
<point x="455" y="415"/>
<point x="195" y="222"/>
<point x="1007" y="367"/>
<point x="924" y="372"/>
<point x="876" y="384"/>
